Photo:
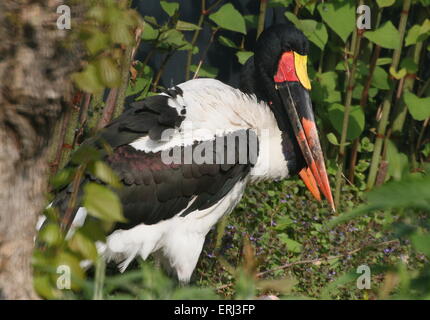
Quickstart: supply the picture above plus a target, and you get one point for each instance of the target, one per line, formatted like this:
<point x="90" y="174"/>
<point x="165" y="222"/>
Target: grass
<point x="286" y="230"/>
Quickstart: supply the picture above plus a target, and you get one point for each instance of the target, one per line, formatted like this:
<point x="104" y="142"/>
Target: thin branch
<point x="68" y="216"/>
<point x="314" y="261"/>
<point x="125" y="73"/>
<point x="211" y="40"/>
<point x="355" y="49"/>
<point x="161" y="70"/>
<point x="109" y="108"/>
<point x="83" y="116"/>
<point x="261" y="17"/>
<point x="386" y="106"/>
<point x="363" y="102"/>
<point x="196" y="34"/>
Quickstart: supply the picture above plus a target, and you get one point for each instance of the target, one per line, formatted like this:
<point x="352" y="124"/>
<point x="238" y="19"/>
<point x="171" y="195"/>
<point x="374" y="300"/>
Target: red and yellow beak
<point x="293" y="85"/>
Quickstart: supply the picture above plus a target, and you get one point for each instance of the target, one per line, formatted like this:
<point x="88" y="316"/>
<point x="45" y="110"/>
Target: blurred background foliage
<point x="371" y="95"/>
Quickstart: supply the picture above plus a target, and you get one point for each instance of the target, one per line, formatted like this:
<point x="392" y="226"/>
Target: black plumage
<point x="152" y="190"/>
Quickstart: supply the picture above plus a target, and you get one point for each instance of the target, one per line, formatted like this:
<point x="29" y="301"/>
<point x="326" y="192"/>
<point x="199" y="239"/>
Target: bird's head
<point x="281" y="79"/>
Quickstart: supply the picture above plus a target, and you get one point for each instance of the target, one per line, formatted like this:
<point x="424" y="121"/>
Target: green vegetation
<point x="370" y="91"/>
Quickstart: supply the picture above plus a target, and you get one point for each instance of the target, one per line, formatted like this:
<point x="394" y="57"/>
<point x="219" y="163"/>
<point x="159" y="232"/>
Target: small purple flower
<point x="211" y="255"/>
<point x="283" y="201"/>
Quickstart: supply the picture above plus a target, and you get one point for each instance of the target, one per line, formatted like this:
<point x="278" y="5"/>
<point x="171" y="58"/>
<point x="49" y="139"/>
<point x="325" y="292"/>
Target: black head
<point x="257" y="74"/>
<point x="277" y="74"/>
<point x="273" y="42"/>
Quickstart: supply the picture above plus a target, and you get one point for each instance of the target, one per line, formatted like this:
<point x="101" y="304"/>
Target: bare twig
<point x="205" y="53"/>
<point x="68" y="216"/>
<point x="386" y="106"/>
<point x="109" y="108"/>
<point x="261" y="17"/>
<point x="315" y="261"/>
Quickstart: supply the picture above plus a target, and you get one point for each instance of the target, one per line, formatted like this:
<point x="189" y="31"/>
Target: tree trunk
<point x="34" y="70"/>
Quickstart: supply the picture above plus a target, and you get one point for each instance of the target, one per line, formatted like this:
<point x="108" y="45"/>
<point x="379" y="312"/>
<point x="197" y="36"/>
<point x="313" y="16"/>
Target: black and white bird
<point x="185" y="156"/>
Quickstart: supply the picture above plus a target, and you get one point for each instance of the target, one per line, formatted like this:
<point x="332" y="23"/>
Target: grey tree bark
<point x="35" y="64"/>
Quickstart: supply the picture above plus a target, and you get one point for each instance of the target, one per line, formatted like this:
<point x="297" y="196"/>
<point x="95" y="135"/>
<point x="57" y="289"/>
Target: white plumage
<point x="212" y="108"/>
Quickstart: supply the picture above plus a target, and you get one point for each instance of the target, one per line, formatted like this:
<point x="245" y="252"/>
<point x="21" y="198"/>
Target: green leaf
<point x="243" y="56"/>
<point x="412" y="36"/>
<point x="136" y="87"/>
<point x="413" y="192"/>
<point x="279" y="3"/>
<point x="174" y="38"/>
<point x="205" y="71"/>
<point x="383" y="61"/>
<point x="292" y="245"/>
<point x="97" y="42"/>
<point x="356" y="120"/>
<point x="108" y="72"/>
<point x="83" y="245"/>
<point x="293" y="18"/>
<point x="397" y="161"/>
<point x="51" y="234"/>
<point x="228" y="18"/>
<point x="65" y="259"/>
<point x="102" y="171"/>
<point x="387" y="36"/>
<point x="385" y="3"/>
<point x="251" y="21"/>
<point x="227" y="42"/>
<point x="186" y="26"/>
<point x="102" y="203"/>
<point x="44" y="287"/>
<point x="324" y="89"/>
<point x="283" y="222"/>
<point x="169" y="7"/>
<point x="93" y="229"/>
<point x="418" y="33"/>
<point x="88" y="80"/>
<point x="340" y="17"/>
<point x="421" y="243"/>
<point x="419" y="108"/>
<point x="120" y="32"/>
<point x="332" y="138"/>
<point x="380" y="79"/>
<point x="149" y="33"/>
<point x="62" y="177"/>
<point x="397" y="74"/>
<point x="150" y="20"/>
<point x="426" y="150"/>
<point x="316" y="32"/>
<point x="85" y="154"/>
<point x="142" y="83"/>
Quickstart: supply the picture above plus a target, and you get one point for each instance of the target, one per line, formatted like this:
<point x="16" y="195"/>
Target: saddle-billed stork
<point x="170" y="206"/>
